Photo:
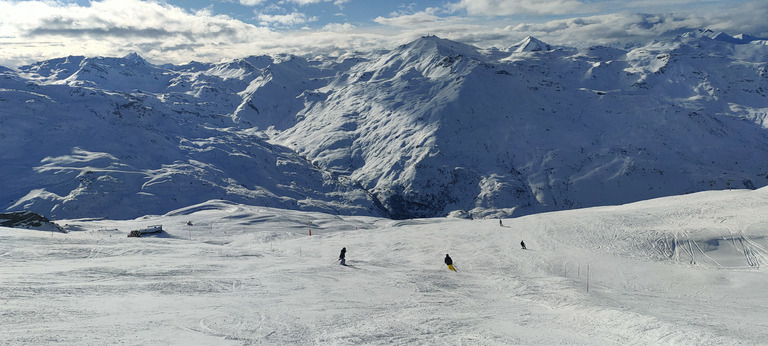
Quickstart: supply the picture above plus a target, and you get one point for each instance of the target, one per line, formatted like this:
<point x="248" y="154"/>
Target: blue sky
<point x="178" y="31"/>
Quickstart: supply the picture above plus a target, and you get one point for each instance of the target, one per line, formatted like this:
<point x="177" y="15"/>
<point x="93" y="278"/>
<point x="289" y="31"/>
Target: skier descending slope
<point x="522" y="243"/>
<point x="449" y="262"/>
<point x="342" y="255"/>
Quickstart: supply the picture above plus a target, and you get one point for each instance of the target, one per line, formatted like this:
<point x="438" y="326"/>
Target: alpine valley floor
<point x="678" y="270"/>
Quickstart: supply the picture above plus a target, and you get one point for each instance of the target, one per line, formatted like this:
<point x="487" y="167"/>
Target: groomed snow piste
<point x="679" y="270"/>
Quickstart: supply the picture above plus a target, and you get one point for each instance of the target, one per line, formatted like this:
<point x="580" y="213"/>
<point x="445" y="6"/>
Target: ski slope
<point x="684" y="270"/>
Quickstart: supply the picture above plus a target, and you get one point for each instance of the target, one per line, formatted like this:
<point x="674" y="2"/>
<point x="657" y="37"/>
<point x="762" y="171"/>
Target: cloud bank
<point x="162" y="33"/>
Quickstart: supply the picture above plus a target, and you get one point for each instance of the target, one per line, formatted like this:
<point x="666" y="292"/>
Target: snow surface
<point x="687" y="270"/>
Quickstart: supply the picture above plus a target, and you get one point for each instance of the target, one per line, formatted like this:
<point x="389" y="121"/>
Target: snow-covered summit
<point x="530" y="44"/>
<point x="135" y="58"/>
<point x="437" y="45"/>
<point x="721" y="36"/>
<point x="714" y="35"/>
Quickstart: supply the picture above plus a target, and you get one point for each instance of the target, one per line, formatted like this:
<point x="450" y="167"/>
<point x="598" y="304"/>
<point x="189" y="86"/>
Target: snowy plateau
<point x="430" y="128"/>
<point x="636" y="176"/>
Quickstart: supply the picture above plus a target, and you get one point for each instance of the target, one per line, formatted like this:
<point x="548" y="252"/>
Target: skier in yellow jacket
<point x="449" y="262"/>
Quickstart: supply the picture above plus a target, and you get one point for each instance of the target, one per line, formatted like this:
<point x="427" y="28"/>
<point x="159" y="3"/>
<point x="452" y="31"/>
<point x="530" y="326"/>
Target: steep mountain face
<point x="435" y="126"/>
<point x="426" y="129"/>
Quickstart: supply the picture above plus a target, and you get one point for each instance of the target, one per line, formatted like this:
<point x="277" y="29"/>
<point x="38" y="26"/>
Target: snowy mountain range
<point x="430" y="128"/>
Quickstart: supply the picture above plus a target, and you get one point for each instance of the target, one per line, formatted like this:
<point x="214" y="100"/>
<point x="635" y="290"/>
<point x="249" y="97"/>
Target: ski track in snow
<point x="250" y="275"/>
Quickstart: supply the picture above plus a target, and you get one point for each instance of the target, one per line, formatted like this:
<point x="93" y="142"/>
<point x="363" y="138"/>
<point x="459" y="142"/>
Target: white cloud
<point x="110" y="18"/>
<point x="645" y="4"/>
<point x="622" y="27"/>
<point x="494" y="8"/>
<point x="309" y="2"/>
<point x="409" y="20"/>
<point x="291" y="19"/>
<point x="37" y="30"/>
<point x="34" y="30"/>
<point x="251" y="2"/>
<point x="338" y="27"/>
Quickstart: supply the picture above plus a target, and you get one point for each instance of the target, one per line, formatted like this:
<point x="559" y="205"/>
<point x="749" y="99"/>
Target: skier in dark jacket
<point x="341" y="256"/>
<point x="522" y="243"/>
<point x="449" y="262"/>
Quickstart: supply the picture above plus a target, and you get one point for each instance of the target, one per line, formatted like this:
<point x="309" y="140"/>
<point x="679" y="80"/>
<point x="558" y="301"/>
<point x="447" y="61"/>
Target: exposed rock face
<point x="27" y="219"/>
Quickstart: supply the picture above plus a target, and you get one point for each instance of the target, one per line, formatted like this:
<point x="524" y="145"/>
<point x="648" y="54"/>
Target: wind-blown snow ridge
<point x="429" y="128"/>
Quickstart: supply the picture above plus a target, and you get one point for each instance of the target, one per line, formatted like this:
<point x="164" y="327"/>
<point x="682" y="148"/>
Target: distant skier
<point x="501" y="224"/>
<point x="342" y="255"/>
<point x="522" y="243"/>
<point x="449" y="262"/>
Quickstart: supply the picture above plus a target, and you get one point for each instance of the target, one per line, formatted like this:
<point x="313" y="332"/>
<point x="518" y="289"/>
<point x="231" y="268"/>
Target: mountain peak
<point x="440" y="45"/>
<point x="747" y="38"/>
<point x="530" y="44"/>
<point x="135" y="58"/>
<point x="712" y="35"/>
<point x="708" y="34"/>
